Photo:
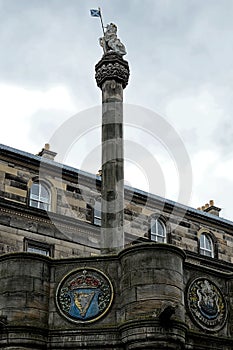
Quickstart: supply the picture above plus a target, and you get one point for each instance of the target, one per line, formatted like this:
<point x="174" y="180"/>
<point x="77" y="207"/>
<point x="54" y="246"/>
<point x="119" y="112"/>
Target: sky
<point x="180" y="55"/>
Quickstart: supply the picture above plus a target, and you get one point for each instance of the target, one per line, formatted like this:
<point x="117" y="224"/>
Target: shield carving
<point x="84" y="302"/>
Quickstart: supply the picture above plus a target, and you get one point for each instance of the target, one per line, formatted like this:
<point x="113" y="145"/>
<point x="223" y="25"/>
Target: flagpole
<point x="101" y="19"/>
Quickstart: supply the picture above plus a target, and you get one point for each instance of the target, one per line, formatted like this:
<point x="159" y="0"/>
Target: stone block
<point x="6" y="169"/>
<point x="16" y="191"/>
<point x="159" y="292"/>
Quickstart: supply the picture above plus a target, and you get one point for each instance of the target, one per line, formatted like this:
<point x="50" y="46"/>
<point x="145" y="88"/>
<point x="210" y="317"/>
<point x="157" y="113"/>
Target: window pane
<point x="38" y="250"/>
<point x="34" y="196"/>
<point x="208" y="253"/>
<point x="153" y="237"/>
<point x="43" y="192"/>
<point x="97" y="214"/>
<point x="34" y="203"/>
<point x="97" y="221"/>
<point x="153" y="226"/>
<point x="35" y="189"/>
<point x="44" y="199"/>
<point x="160" y="229"/>
<point x="207" y="243"/>
<point x="43" y="205"/>
<point x="202" y="240"/>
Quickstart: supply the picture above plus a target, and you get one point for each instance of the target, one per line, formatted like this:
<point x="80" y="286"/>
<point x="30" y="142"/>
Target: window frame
<point x="43" y="203"/>
<point x="39" y="247"/>
<point x="156" y="234"/>
<point x="203" y="249"/>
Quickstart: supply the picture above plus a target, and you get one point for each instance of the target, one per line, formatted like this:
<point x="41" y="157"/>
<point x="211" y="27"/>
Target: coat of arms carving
<point x="84" y="295"/>
<point x="207" y="304"/>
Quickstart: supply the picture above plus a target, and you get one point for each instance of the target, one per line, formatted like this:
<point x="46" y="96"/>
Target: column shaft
<point x="112" y="74"/>
<point x="112" y="232"/>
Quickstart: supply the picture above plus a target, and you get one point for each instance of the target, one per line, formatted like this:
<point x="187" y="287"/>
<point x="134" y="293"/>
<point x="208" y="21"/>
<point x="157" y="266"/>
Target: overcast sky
<point x="181" y="60"/>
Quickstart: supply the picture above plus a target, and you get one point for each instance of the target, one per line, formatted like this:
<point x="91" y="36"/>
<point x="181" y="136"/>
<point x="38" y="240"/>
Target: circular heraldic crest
<point x="206" y="304"/>
<point x="84" y="295"/>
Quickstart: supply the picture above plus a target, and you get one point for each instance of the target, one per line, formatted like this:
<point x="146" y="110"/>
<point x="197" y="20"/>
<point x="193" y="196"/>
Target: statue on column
<point x="110" y="41"/>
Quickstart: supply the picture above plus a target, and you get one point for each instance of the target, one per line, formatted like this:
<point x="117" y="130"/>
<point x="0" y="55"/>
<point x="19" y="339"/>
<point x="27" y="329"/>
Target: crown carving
<point x="84" y="281"/>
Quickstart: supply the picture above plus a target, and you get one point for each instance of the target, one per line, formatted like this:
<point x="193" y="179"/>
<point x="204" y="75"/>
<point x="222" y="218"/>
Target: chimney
<point x="210" y="208"/>
<point x="46" y="153"/>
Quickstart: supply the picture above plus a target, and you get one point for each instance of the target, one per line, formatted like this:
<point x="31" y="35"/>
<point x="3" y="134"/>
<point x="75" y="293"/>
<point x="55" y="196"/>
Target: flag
<point x="95" y="13"/>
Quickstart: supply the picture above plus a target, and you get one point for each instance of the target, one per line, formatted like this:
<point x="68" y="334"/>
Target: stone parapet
<point x="152" y="296"/>
<point x="148" y="311"/>
<point x="24" y="289"/>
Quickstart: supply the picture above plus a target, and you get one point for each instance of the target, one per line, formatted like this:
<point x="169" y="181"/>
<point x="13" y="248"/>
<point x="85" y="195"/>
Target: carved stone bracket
<point x="112" y="67"/>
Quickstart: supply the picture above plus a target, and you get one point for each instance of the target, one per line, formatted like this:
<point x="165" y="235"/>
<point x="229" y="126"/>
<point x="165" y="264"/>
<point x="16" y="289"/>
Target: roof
<point x="181" y="208"/>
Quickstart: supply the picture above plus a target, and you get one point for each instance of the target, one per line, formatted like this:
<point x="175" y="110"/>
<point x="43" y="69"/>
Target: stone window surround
<point x="212" y="238"/>
<point x="45" y="248"/>
<point x="49" y="186"/>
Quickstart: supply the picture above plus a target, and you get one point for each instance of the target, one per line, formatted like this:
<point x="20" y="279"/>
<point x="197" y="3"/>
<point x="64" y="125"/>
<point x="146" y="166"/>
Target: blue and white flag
<point x="95" y="13"/>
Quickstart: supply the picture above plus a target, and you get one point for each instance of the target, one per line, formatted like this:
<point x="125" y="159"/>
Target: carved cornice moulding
<point x="112" y="67"/>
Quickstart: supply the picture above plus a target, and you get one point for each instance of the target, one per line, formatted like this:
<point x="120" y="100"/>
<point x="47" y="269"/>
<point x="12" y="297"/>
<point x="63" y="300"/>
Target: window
<point x="38" y="250"/>
<point x="39" y="196"/>
<point x="97" y="214"/>
<point x="158" y="231"/>
<point x="206" y="245"/>
<point x="37" y="247"/>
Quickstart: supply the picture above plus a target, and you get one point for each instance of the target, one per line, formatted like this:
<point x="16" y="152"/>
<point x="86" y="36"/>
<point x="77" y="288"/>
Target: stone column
<point x="112" y="73"/>
<point x="24" y="301"/>
<point x="151" y="297"/>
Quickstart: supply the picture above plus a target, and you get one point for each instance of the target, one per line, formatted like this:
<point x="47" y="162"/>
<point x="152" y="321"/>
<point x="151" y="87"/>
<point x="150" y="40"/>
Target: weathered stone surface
<point x="112" y="74"/>
<point x="112" y="67"/>
<point x="145" y="277"/>
<point x="141" y="290"/>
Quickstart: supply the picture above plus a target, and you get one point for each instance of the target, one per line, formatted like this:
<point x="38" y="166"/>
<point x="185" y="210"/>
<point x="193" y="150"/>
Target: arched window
<point x="158" y="231"/>
<point x="39" y="196"/>
<point x="206" y="245"/>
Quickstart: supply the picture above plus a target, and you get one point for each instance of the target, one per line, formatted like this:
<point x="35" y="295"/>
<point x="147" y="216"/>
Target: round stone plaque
<point x="206" y="304"/>
<point x="84" y="295"/>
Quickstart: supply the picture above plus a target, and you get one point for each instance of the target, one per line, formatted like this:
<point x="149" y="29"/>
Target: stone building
<point x="153" y="283"/>
<point x="169" y="286"/>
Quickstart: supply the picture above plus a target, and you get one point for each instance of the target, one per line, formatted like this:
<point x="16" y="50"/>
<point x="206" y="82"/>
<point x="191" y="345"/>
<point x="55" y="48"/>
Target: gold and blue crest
<point x="84" y="295"/>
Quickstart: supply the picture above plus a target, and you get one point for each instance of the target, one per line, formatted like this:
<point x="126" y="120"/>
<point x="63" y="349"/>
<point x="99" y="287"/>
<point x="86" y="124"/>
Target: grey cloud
<point x="223" y="136"/>
<point x="174" y="48"/>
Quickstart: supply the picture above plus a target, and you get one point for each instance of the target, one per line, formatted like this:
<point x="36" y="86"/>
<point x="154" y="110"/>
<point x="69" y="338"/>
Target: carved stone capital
<point x="112" y="67"/>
